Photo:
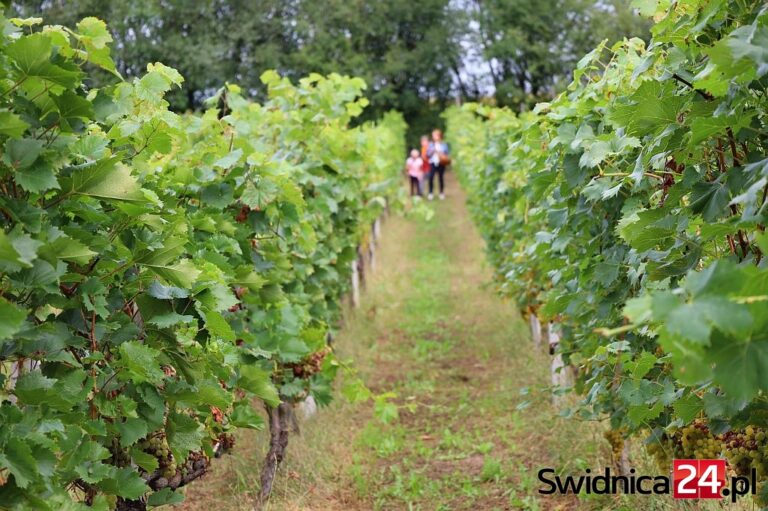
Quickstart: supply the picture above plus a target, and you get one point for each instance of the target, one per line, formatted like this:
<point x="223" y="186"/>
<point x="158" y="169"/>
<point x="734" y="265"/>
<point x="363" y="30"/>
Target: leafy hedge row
<point x="632" y="210"/>
<point x="160" y="274"/>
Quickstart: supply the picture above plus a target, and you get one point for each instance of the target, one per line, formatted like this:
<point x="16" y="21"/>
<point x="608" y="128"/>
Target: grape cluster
<point x="694" y="441"/>
<point x="312" y="364"/>
<point x="226" y="441"/>
<point x="120" y="456"/>
<point x="744" y="449"/>
<point x="747" y="449"/>
<point x="699" y="443"/>
<point x="663" y="451"/>
<point x="195" y="461"/>
<point x="157" y="446"/>
<point x="615" y="437"/>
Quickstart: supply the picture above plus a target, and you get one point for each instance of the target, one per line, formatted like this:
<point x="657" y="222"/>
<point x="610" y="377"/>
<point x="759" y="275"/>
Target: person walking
<point x="414" y="168"/>
<point x="423" y="149"/>
<point x="437" y="153"/>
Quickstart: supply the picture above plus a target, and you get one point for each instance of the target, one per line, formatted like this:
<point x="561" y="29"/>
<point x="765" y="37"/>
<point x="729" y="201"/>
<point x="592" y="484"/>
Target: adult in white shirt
<point x="437" y="153"/>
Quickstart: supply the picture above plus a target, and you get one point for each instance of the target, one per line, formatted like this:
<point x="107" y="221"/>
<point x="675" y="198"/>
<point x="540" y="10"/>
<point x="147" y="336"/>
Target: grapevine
<point x="631" y="209"/>
<point x="161" y="275"/>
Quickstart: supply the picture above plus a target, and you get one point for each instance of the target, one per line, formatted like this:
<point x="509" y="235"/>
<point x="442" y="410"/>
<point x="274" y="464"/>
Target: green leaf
<point x="145" y="460"/>
<point x="244" y="416"/>
<point x="751" y="43"/>
<point x="30" y="55"/>
<point x="11" y="125"/>
<point x="688" y="407"/>
<point x="259" y="383"/>
<point x="710" y="199"/>
<point x="653" y="107"/>
<point x="170" y="319"/>
<point x="685" y="322"/>
<point x="355" y="391"/>
<point x="93" y="33"/>
<point x="131" y="430"/>
<point x="140" y="363"/>
<point x="38" y="178"/>
<point x="164" y="497"/>
<point x="707" y="126"/>
<point x="694" y="321"/>
<point x="645" y="230"/>
<point x="17" y="457"/>
<point x="30" y="52"/>
<point x="126" y="483"/>
<point x="217" y="326"/>
<point x="384" y="409"/>
<point x="105" y="179"/>
<point x="32" y="388"/>
<point x="606" y="273"/>
<point x="217" y="195"/>
<point x="161" y="292"/>
<point x="71" y="106"/>
<point x="90" y="147"/>
<point x="182" y="274"/>
<point x="650" y="8"/>
<point x="595" y="153"/>
<point x="69" y="249"/>
<point x="171" y="249"/>
<point x="95" y="30"/>
<point x="249" y="279"/>
<point x="22" y="153"/>
<point x="12" y="319"/>
<point x="210" y="392"/>
<point x="228" y="160"/>
<point x="741" y="367"/>
<point x="93" y="472"/>
<point x="641" y="414"/>
<point x="184" y="435"/>
<point x="642" y="365"/>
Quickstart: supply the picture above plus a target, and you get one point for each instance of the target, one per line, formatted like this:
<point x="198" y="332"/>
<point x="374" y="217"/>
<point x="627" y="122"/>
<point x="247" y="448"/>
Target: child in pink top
<point x="414" y="165"/>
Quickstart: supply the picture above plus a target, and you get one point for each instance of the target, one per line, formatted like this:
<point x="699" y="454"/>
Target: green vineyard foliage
<point x="631" y="209"/>
<point x="163" y="275"/>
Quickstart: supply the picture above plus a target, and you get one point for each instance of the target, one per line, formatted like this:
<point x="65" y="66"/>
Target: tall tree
<point x="403" y="49"/>
<point x="531" y="47"/>
<point x="208" y="41"/>
<point x="415" y="56"/>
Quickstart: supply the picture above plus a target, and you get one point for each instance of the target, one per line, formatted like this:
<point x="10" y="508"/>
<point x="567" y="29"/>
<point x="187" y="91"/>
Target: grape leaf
<point x="13" y="319"/>
<point x="17" y="457"/>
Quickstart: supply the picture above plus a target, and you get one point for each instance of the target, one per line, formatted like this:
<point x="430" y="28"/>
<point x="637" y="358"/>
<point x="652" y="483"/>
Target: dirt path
<point x="474" y="423"/>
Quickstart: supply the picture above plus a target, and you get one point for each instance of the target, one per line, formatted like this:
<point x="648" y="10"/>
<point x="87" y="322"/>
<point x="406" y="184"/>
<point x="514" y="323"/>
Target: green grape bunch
<point x="698" y="442"/>
<point x="157" y="446"/>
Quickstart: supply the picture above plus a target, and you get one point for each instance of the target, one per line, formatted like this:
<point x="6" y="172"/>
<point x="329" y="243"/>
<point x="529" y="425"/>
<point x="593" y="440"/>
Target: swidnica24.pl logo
<point x="691" y="479"/>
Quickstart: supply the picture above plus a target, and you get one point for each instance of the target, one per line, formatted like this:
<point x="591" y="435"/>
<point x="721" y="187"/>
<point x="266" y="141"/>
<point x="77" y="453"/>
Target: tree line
<point x="416" y="57"/>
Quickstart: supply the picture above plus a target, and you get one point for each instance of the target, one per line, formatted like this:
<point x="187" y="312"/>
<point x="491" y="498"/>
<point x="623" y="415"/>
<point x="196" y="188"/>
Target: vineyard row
<point x="162" y="276"/>
<point x="628" y="216"/>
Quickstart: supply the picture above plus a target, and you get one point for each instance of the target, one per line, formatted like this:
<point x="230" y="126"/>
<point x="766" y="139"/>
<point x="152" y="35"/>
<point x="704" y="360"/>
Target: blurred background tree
<point x="530" y="48"/>
<point x="416" y="56"/>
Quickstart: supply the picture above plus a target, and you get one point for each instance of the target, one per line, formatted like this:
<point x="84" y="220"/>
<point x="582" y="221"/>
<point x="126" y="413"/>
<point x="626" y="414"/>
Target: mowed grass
<point x="470" y="417"/>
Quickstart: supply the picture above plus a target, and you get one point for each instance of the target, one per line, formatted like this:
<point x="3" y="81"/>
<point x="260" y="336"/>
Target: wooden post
<point x="557" y="368"/>
<point x="355" y="285"/>
<point x="624" y="465"/>
<point x="377" y="229"/>
<point x="372" y="255"/>
<point x="361" y="267"/>
<point x="535" y="328"/>
<point x="308" y="407"/>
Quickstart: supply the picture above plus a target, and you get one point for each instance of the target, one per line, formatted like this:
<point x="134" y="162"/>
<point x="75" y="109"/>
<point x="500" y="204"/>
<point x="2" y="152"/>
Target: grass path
<point x="474" y="421"/>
